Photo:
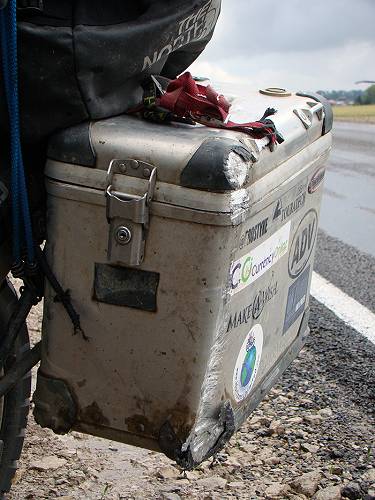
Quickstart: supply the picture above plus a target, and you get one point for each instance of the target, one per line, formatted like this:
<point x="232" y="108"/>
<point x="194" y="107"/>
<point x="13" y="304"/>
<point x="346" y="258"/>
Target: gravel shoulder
<point x="347" y="268"/>
<point x="312" y="437"/>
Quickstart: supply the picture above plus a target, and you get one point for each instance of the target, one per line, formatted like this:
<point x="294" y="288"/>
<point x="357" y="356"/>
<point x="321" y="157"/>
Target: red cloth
<point x="187" y="99"/>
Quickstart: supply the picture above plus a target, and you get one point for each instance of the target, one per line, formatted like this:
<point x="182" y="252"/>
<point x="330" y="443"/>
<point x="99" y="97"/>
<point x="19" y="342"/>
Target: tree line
<point x="356" y="96"/>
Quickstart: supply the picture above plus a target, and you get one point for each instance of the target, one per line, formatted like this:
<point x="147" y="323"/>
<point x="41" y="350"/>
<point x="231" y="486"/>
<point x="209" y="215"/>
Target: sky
<point x="295" y="44"/>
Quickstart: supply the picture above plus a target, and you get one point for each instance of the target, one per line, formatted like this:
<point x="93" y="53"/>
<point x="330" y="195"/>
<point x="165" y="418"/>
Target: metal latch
<point x="306" y="114"/>
<point x="128" y="214"/>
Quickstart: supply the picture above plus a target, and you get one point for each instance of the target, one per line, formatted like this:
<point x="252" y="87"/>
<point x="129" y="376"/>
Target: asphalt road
<point x="345" y="253"/>
<point x="348" y="209"/>
<point x="346" y="244"/>
<point x="345" y="360"/>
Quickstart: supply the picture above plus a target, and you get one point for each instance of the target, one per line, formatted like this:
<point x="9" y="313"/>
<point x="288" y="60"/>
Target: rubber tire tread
<point x="16" y="402"/>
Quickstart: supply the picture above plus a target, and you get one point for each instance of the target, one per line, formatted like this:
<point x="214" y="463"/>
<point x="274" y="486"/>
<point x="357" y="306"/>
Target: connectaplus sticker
<point x="254" y="264"/>
<point x="247" y="363"/>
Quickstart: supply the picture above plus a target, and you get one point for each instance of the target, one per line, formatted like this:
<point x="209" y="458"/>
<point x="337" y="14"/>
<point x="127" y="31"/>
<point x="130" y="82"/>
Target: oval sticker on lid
<point x="316" y="180"/>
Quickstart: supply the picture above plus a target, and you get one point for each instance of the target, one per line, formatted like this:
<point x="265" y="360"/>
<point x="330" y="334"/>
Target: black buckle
<point x="30" y="5"/>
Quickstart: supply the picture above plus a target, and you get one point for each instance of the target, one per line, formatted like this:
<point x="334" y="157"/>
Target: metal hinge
<point x="128" y="214"/>
<point x="306" y="114"/>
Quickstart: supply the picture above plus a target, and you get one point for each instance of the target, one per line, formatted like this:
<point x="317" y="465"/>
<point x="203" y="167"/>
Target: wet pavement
<point x="348" y="208"/>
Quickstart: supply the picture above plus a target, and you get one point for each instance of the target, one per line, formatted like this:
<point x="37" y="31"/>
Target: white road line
<point x="344" y="307"/>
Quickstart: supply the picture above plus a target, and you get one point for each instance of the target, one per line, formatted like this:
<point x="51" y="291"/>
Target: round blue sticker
<point x="247" y="363"/>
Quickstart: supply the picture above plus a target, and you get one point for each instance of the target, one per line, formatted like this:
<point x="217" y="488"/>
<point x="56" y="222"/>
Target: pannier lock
<point x="128" y="214"/>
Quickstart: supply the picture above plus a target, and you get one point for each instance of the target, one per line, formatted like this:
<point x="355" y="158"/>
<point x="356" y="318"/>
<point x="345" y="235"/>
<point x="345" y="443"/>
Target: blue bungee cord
<point x="21" y="218"/>
<point x="24" y="267"/>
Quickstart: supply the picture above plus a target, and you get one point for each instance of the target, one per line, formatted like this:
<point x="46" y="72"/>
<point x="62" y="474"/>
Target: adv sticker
<point x="247" y="363"/>
<point x="297" y="295"/>
<point x="303" y="243"/>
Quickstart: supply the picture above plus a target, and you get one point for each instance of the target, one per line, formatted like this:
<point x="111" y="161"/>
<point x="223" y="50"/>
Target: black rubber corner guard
<point x="206" y="168"/>
<point x="171" y="445"/>
<point x="55" y="406"/>
<point x="73" y="145"/>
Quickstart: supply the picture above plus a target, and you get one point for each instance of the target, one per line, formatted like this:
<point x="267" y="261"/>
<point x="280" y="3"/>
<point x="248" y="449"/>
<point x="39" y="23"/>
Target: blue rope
<point x="14" y="170"/>
<point x="19" y="195"/>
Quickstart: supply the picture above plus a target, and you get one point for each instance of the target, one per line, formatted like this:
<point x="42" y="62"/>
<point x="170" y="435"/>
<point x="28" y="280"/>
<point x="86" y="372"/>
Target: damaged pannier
<point x="188" y="252"/>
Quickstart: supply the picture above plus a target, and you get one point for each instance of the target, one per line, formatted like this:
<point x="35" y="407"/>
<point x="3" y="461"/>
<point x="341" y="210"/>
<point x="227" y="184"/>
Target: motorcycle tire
<point x="14" y="406"/>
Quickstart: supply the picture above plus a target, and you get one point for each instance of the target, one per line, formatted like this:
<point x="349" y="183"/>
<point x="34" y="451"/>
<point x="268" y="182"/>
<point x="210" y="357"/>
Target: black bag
<point x="86" y="59"/>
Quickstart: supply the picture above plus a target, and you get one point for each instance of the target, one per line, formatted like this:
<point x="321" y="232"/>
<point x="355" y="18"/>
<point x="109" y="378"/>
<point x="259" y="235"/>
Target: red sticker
<point x="316" y="180"/>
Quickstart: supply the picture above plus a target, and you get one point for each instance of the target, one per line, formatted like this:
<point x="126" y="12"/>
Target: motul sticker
<point x="303" y="243"/>
<point x="247" y="363"/>
<point x="254" y="264"/>
<point x="254" y="233"/>
<point x="316" y="180"/>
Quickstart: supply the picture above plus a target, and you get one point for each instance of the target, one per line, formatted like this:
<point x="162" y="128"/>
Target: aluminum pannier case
<point x="188" y="253"/>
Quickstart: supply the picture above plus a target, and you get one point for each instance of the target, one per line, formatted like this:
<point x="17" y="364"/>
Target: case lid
<point x="200" y="174"/>
<point x="195" y="156"/>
